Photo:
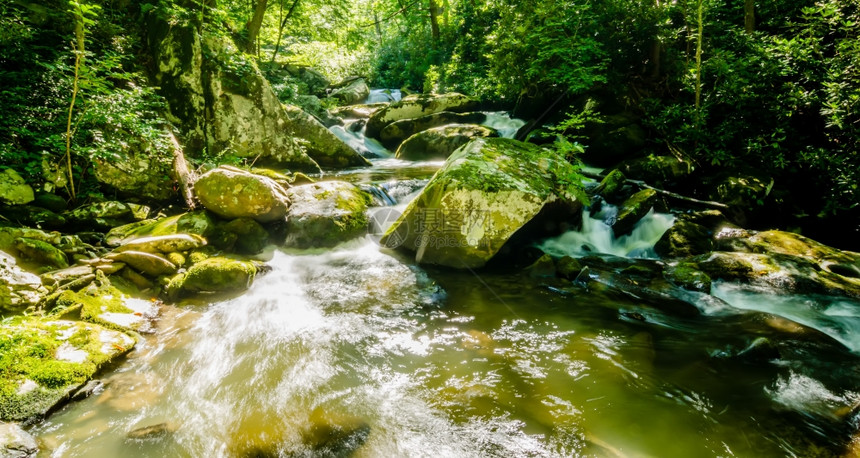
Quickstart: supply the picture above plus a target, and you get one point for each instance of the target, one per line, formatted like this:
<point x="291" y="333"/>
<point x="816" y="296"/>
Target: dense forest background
<point x="764" y="90"/>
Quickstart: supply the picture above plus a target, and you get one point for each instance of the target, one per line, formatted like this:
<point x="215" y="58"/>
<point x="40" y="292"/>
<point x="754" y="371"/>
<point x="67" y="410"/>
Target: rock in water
<point x="488" y="190"/>
<point x="632" y="210"/>
<point x="440" y="142"/>
<point x="13" y="189"/>
<point x="148" y="263"/>
<point x="215" y="274"/>
<point x="234" y="193"/>
<point x="320" y="143"/>
<point x="414" y="106"/>
<point x="350" y="91"/>
<point x="326" y="213"/>
<point x="394" y="133"/>
<point x="164" y="243"/>
<point x="15" y="442"/>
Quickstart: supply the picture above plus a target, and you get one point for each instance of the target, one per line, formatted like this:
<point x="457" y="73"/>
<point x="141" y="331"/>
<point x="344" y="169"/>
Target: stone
<point x="138" y="167"/>
<point x="50" y="359"/>
<point x="199" y="222"/>
<point x="19" y="289"/>
<point x="543" y="267"/>
<point x="415" y="106"/>
<point x="632" y="210"/>
<point x="660" y="171"/>
<point x="163" y="243"/>
<point x="440" y="142"/>
<point x="234" y="193"/>
<point x="151" y="432"/>
<point x="147" y="263"/>
<point x="398" y="131"/>
<point x="105" y="305"/>
<point x="610" y="186"/>
<point x="361" y="111"/>
<point x="15" y="442"/>
<point x="211" y="275"/>
<point x="27" y="215"/>
<point x="13" y="189"/>
<point x="687" y="276"/>
<point x="106" y="215"/>
<point x="326" y="213"/>
<point x="487" y="191"/>
<point x="350" y="91"/>
<point x="314" y="80"/>
<point x="41" y="252"/>
<point x="568" y="267"/>
<point x="684" y="239"/>
<point x="321" y="144"/>
<point x="50" y="202"/>
<point x="252" y="238"/>
<point x="744" y="193"/>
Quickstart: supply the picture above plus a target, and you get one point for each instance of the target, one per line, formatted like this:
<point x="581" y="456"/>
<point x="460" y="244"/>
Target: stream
<point x="358" y="351"/>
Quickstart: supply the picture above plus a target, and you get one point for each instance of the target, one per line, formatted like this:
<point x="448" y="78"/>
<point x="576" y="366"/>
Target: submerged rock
<point x="632" y="210"/>
<point x="13" y="189"/>
<point x="15" y="442"/>
<point x="49" y="359"/>
<point x="414" y="106"/>
<point x="487" y="191"/>
<point x="326" y="213"/>
<point x="394" y="133"/>
<point x="212" y="275"/>
<point x="440" y="142"/>
<point x="235" y="193"/>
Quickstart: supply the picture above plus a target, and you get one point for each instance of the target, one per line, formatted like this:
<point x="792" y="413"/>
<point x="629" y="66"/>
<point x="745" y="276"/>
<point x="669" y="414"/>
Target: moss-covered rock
<point x="163" y="243"/>
<point x="234" y="193"/>
<point x="440" y="142"/>
<point x="251" y="237"/>
<point x="39" y="217"/>
<point x="688" y="276"/>
<point x="415" y="106"/>
<point x="326" y="213"/>
<point x="106" y="215"/>
<point x="361" y="111"/>
<point x="632" y="210"/>
<point x="138" y="167"/>
<point x="320" y="143"/>
<point x="103" y="304"/>
<point x="43" y="360"/>
<point x="18" y="289"/>
<point x="398" y="131"/>
<point x="50" y="202"/>
<point x="214" y="274"/>
<point x="487" y="191"/>
<point x="16" y="443"/>
<point x="151" y="264"/>
<point x="350" y="91"/>
<point x="684" y="239"/>
<point x="13" y="189"/>
<point x="198" y="222"/>
<point x="568" y="267"/>
<point x="610" y="186"/>
<point x="41" y="252"/>
<point x="744" y="193"/>
<point x="662" y="171"/>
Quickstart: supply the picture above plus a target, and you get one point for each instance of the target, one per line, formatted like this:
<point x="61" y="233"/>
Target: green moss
<point x="42" y="252"/>
<point x="215" y="274"/>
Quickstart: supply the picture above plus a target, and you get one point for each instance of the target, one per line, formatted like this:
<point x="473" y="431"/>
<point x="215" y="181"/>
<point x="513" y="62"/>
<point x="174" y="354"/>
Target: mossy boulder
<point x="103" y="304"/>
<point x="326" y="213"/>
<point x="320" y="143"/>
<point x="350" y="91"/>
<point x="744" y="193"/>
<point x="50" y="202"/>
<point x="487" y="191"/>
<point x="163" y="243"/>
<point x="610" y="186"/>
<point x="43" y="360"/>
<point x="106" y="215"/>
<point x="398" y="131"/>
<point x="251" y="237"/>
<point x="213" y="275"/>
<point x="360" y="111"/>
<point x="28" y="215"/>
<point x="632" y="210"/>
<point x="138" y="167"/>
<point x="200" y="223"/>
<point x="42" y="253"/>
<point x="152" y="264"/>
<point x="568" y="267"/>
<point x="612" y="138"/>
<point x="440" y="142"/>
<point x="683" y="239"/>
<point x="661" y="171"/>
<point x="19" y="289"/>
<point x="13" y="189"/>
<point x="688" y="276"/>
<point x="233" y="193"/>
<point x="415" y="106"/>
<point x="16" y="443"/>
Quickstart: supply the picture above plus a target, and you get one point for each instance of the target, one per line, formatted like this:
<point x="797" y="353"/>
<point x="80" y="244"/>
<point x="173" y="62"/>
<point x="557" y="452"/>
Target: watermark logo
<point x="378" y="223"/>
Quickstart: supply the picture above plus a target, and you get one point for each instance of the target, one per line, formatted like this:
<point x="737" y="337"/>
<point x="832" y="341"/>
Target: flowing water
<point x="358" y="351"/>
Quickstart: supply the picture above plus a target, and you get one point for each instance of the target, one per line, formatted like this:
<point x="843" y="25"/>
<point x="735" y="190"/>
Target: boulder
<point x="234" y="193"/>
<point x="744" y="193"/>
<point x="326" y="213"/>
<point x="414" y="106"/>
<point x="568" y="267"/>
<point x="163" y="243"/>
<point x="315" y="81"/>
<point x="440" y="142"/>
<point x="27" y="215"/>
<point x="42" y="253"/>
<point x="361" y="111"/>
<point x="102" y="304"/>
<point x="198" y="222"/>
<point x="15" y="442"/>
<point x="394" y="133"/>
<point x="487" y="191"/>
<point x="212" y="275"/>
<point x="106" y="215"/>
<point x="18" y="289"/>
<point x="320" y="143"/>
<point x="139" y="167"/>
<point x="13" y="189"/>
<point x="684" y="238"/>
<point x="660" y="171"/>
<point x="632" y="210"/>
<point x="610" y="186"/>
<point x="50" y="202"/>
<point x="148" y="263"/>
<point x="350" y="91"/>
<point x="612" y="138"/>
<point x="688" y="276"/>
<point x="251" y="237"/>
<point x="49" y="359"/>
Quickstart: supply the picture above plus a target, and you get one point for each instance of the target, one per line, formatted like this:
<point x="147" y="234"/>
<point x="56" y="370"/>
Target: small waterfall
<point x="355" y="138"/>
<point x="596" y="236"/>
<point x="383" y="95"/>
<point x="503" y="123"/>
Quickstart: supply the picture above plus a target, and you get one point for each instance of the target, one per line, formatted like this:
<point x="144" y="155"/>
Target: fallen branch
<point x="674" y="195"/>
<point x="182" y="173"/>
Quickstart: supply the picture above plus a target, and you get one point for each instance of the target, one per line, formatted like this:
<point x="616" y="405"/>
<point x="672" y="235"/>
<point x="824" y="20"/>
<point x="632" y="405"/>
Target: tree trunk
<point x="699" y="37"/>
<point x="749" y="16"/>
<point x="183" y="175"/>
<point x="434" y="22"/>
<point x="281" y="27"/>
<point x="253" y="26"/>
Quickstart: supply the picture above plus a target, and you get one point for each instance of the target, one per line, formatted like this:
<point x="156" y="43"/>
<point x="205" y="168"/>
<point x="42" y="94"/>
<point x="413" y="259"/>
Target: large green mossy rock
<point x="684" y="238"/>
<point x="19" y="289"/>
<point x="415" y="106"/>
<point x="326" y="213"/>
<point x="234" y="193"/>
<point x="632" y="210"/>
<point x="251" y="237"/>
<point x="13" y="189"/>
<point x="488" y="190"/>
<point x="106" y="215"/>
<point x="103" y="304"/>
<point x="320" y="143"/>
<point x="42" y="361"/>
<point x="398" y="131"/>
<point x="440" y="142"/>
<point x="199" y="223"/>
<point x="213" y="275"/>
<point x="168" y="243"/>
<point x="42" y="253"/>
<point x="350" y="91"/>
<point x="138" y="167"/>
<point x="662" y="171"/>
<point x="28" y="215"/>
